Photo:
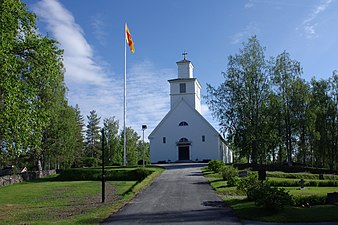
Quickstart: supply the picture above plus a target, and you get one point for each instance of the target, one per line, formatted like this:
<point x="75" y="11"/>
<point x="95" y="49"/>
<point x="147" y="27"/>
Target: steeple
<point x="185" y="86"/>
<point x="185" y="67"/>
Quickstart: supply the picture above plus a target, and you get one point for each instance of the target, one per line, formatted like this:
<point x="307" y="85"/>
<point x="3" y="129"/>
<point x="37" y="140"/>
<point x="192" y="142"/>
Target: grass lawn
<point x="245" y="209"/>
<point x="66" y="202"/>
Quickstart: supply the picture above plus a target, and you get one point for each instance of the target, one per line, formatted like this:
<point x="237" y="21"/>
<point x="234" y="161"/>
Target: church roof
<point x="184" y="61"/>
<point x="182" y="101"/>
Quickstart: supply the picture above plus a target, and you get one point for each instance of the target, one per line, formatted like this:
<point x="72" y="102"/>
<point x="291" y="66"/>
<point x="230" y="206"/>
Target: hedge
<point x="308" y="200"/>
<point x="309" y="183"/>
<point x="96" y="174"/>
<point x="284" y="168"/>
<point x="301" y="175"/>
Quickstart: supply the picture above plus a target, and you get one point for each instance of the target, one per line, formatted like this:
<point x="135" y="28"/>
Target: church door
<point x="183" y="153"/>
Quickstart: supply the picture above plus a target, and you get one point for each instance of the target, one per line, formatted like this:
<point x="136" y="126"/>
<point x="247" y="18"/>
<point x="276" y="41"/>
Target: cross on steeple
<point x="184" y="55"/>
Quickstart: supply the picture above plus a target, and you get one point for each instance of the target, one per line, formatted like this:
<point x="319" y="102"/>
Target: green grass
<point x="311" y="190"/>
<point x="245" y="209"/>
<point x="67" y="202"/>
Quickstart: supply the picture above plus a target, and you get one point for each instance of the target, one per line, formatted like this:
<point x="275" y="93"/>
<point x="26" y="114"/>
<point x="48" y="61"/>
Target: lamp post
<point x="143" y="128"/>
<point x="103" y="173"/>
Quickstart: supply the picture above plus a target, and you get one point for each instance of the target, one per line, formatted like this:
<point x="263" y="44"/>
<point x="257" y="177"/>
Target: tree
<point x="93" y="148"/>
<point x="79" y="131"/>
<point x="114" y="151"/>
<point x="31" y="74"/>
<point x="132" y="139"/>
<point x="285" y="71"/>
<point x="239" y="102"/>
<point x="325" y="104"/>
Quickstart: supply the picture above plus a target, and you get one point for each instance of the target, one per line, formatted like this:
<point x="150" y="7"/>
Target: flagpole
<point x="125" y="103"/>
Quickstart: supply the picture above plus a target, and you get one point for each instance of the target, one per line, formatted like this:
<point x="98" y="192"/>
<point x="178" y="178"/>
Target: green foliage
<point x="271" y="197"/>
<point x="132" y="142"/>
<point x="249" y="184"/>
<point x="32" y="82"/>
<point x="215" y="165"/>
<point x="90" y="162"/>
<point x="271" y="114"/>
<point x="238" y="103"/>
<point x="308" y="200"/>
<point x="96" y="174"/>
<point x="113" y="150"/>
<point x="233" y="181"/>
<point x="228" y="174"/>
<point x="93" y="147"/>
<point x="307" y="183"/>
<point x="306" y="176"/>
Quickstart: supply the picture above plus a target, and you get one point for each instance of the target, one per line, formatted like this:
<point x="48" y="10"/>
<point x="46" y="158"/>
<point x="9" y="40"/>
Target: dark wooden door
<point x="183" y="153"/>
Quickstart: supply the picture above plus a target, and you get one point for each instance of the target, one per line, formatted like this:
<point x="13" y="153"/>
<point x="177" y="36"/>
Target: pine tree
<point x="93" y="138"/>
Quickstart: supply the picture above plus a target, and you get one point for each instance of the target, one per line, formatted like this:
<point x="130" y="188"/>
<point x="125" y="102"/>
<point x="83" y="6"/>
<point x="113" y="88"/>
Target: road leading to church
<point x="180" y="195"/>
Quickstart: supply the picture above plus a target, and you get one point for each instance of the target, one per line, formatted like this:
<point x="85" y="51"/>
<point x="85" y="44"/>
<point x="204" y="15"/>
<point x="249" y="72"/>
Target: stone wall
<point x="17" y="178"/>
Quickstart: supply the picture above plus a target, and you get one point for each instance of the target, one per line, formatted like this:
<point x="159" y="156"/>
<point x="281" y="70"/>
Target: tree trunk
<point x="39" y="167"/>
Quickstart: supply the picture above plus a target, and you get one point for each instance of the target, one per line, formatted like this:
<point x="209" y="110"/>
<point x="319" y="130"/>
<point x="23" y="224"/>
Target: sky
<point x="92" y="36"/>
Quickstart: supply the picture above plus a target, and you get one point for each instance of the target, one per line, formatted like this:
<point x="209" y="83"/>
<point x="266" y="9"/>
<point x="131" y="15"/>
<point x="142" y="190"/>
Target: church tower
<point x="185" y="86"/>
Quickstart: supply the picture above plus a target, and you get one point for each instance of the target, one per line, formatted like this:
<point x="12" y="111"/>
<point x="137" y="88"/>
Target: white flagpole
<point x="125" y="104"/>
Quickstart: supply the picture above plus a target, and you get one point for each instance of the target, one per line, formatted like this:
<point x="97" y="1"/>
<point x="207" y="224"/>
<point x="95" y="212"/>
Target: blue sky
<point x="92" y="36"/>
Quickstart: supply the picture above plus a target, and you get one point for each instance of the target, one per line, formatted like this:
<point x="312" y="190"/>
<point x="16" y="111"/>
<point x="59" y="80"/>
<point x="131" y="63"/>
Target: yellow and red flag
<point x="129" y="40"/>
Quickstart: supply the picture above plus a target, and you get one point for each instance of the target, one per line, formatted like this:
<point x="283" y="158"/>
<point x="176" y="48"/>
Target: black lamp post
<point x="143" y="128"/>
<point x="103" y="175"/>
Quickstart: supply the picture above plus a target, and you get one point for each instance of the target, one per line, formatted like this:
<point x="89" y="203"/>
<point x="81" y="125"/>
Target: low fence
<point x="17" y="178"/>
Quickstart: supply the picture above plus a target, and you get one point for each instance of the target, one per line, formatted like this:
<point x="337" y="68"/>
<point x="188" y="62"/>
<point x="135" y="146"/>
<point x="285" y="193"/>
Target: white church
<point x="184" y="135"/>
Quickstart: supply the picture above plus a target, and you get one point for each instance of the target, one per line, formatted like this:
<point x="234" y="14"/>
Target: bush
<point x="296" y="183"/>
<point x="249" y="184"/>
<point x="140" y="174"/>
<point x="90" y="162"/>
<point x="215" y="165"/>
<point x="96" y="174"/>
<point x="228" y="173"/>
<point x="306" y="201"/>
<point x="271" y="197"/>
<point x="284" y="183"/>
<point x="233" y="181"/>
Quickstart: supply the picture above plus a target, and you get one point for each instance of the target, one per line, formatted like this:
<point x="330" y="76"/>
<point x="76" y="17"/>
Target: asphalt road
<point x="180" y="195"/>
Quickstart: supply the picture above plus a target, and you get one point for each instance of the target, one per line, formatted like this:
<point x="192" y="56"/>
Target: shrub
<point x="249" y="184"/>
<point x="215" y="165"/>
<point x="228" y="173"/>
<point x="308" y="200"/>
<point x="96" y="174"/>
<point x="140" y="174"/>
<point x="233" y="181"/>
<point x="90" y="162"/>
<point x="284" y="183"/>
<point x="271" y="197"/>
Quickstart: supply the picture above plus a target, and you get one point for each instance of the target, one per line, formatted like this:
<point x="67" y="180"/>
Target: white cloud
<point x="99" y="29"/>
<point x="249" y="4"/>
<point x="309" y="24"/>
<point x="249" y="30"/>
<point x="78" y="54"/>
<point x="92" y="86"/>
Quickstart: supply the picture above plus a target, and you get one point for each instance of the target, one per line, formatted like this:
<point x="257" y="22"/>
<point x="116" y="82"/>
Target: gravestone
<point x="332" y="198"/>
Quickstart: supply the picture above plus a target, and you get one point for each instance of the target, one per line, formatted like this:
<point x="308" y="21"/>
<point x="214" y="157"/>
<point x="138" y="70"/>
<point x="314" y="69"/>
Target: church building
<point x="184" y="134"/>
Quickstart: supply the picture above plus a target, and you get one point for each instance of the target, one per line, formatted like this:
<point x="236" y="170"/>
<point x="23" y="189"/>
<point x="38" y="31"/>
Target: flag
<point x="129" y="40"/>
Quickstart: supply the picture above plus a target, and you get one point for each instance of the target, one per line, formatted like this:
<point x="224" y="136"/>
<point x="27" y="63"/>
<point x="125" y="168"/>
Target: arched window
<point x="183" y="123"/>
<point x="183" y="140"/>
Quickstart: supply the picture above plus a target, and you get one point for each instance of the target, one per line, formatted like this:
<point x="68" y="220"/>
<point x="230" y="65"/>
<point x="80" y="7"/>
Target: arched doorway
<point x="183" y="149"/>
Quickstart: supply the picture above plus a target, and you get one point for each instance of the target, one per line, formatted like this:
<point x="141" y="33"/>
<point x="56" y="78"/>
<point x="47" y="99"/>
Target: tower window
<point x="183" y="88"/>
<point x="183" y="123"/>
<point x="164" y="140"/>
<point x="203" y="138"/>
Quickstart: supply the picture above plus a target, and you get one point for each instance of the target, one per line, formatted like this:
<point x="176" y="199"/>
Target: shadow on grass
<point x="130" y="190"/>
<point x="217" y="180"/>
